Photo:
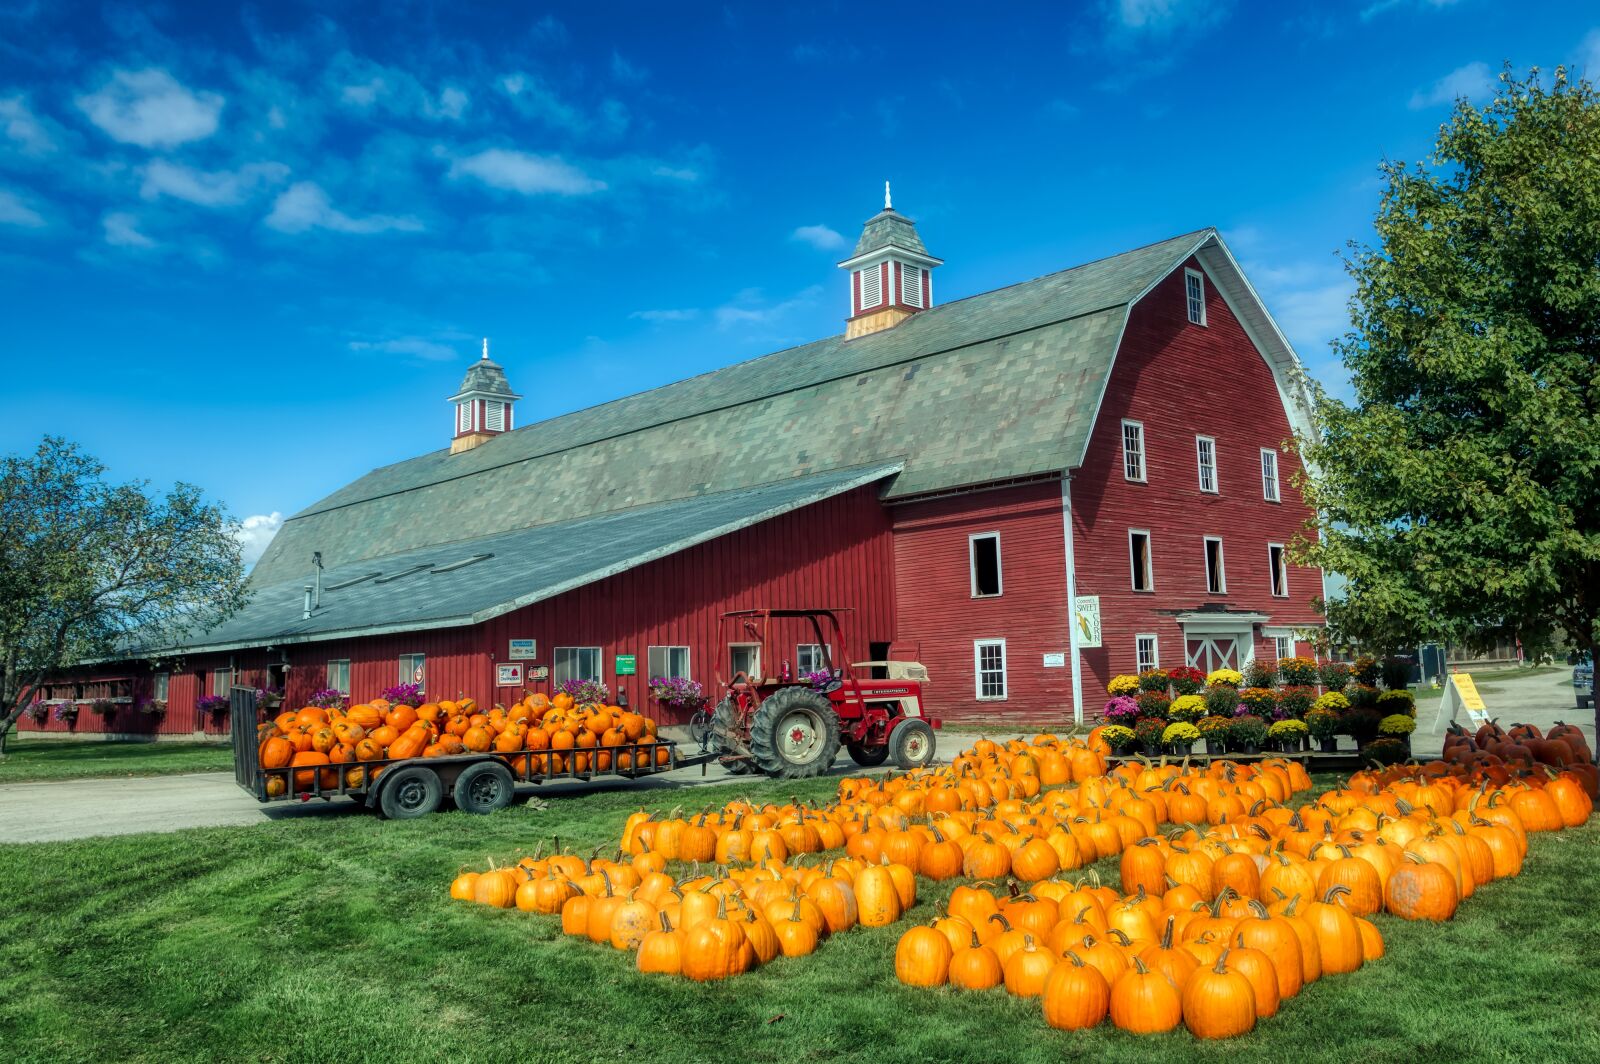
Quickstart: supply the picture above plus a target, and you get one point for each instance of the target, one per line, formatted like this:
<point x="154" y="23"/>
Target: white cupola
<point x="483" y="404"/>
<point x="891" y="274"/>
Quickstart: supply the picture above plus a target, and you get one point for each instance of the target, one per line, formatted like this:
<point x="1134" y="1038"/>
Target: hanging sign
<point x="524" y="649"/>
<point x="508" y="675"/>
<point x="1086" y="615"/>
<point x="627" y="665"/>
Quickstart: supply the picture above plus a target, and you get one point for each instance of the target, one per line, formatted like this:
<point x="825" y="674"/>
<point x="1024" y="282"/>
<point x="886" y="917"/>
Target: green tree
<point x="90" y="570"/>
<point x="1459" y="493"/>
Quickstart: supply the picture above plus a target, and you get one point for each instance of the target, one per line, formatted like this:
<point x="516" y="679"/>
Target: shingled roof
<point x="889" y="229"/>
<point x="995" y="386"/>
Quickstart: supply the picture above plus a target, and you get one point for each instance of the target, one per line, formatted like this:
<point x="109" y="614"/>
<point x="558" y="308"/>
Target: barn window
<point x="1269" y="474"/>
<point x="745" y="658"/>
<point x="1146" y="651"/>
<point x="1282" y="644"/>
<point x="989" y="656"/>
<point x="871" y="287"/>
<point x="1133" y="450"/>
<point x="575" y="663"/>
<point x="339" y="676"/>
<point x="984" y="557"/>
<point x="1194" y="286"/>
<point x="670" y="663"/>
<point x="1206" y="454"/>
<point x="1280" y="570"/>
<point x="495" y="417"/>
<point x="1139" y="559"/>
<point x="812" y="657"/>
<point x="911" y="286"/>
<point x="222" y="682"/>
<point x="413" y="669"/>
<point x="160" y="684"/>
<point x="1216" y="581"/>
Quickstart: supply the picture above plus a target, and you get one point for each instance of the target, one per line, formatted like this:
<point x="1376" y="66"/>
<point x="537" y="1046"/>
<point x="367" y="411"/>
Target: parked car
<point x="1583" y="680"/>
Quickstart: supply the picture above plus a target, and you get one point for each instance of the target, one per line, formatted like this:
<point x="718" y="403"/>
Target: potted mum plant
<point x="1153" y="703"/>
<point x="1119" y="738"/>
<point x="1299" y="671"/>
<point x="1224" y="678"/>
<point x="1384" y="752"/>
<point x="1247" y="733"/>
<point x="1362" y="725"/>
<point x="1214" y="730"/>
<point x="1154" y="680"/>
<point x="1260" y="673"/>
<point x="1149" y="731"/>
<point x="1261" y="701"/>
<point x="1296" y="701"/>
<point x="1221" y="700"/>
<point x="1122" y="685"/>
<point x="1186" y="680"/>
<point x="1288" y="735"/>
<point x="1122" y="711"/>
<point x="1179" y="737"/>
<point x="1335" y="675"/>
<point x="1365" y="670"/>
<point x="1400" y="701"/>
<point x="1323" y="726"/>
<point x="1398" y="726"/>
<point x="1187" y="708"/>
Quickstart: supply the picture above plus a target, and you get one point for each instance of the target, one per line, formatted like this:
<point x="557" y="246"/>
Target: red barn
<point x="1027" y="490"/>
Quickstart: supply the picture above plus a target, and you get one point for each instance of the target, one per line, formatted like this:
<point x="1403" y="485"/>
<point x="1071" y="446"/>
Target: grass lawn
<point x="30" y="760"/>
<point x="333" y="938"/>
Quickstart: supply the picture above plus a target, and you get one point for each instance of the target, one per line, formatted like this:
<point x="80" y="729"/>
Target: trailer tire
<point x="724" y="720"/>
<point x="795" y="734"/>
<point x="868" y="756"/>
<point x="484" y="787"/>
<point x="912" y="744"/>
<point x="410" y="792"/>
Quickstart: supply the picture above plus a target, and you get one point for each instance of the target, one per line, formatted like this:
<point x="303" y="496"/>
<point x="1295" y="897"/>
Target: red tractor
<point x="790" y="726"/>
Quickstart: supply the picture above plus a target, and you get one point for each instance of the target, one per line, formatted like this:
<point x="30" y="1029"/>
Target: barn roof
<point x="1000" y="385"/>
<point x="469" y="581"/>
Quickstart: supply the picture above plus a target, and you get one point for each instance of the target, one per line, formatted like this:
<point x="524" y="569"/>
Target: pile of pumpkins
<point x="1499" y="753"/>
<point x="310" y="747"/>
<point x="1214" y="928"/>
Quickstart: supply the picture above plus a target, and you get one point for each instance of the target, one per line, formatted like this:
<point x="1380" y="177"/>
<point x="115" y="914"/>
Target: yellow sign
<point x="1470" y="698"/>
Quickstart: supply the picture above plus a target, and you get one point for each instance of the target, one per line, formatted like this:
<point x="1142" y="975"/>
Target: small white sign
<point x="508" y="675"/>
<point x="1055" y="661"/>
<point x="1086" y="615"/>
<point x="524" y="649"/>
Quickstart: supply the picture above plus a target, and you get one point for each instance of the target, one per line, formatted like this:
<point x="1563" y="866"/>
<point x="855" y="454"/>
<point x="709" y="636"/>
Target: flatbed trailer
<point x="401" y="789"/>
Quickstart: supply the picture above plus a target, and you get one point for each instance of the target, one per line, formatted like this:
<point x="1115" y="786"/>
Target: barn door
<point x="1211" y="652"/>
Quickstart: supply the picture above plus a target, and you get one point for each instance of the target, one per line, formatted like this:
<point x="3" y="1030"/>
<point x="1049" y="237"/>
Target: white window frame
<point x="978" y="647"/>
<point x="877" y="276"/>
<point x="1149" y="562"/>
<point x="408" y="664"/>
<point x="1194" y="296"/>
<point x="1140" y="452"/>
<point x="222" y="678"/>
<point x="821" y="650"/>
<point x="1270" y="488"/>
<point x="1278" y="573"/>
<point x="337" y="668"/>
<point x="1139" y="664"/>
<point x="1282" y="644"/>
<point x="756" y="647"/>
<point x="599" y="664"/>
<point x="160" y="686"/>
<point x="972" y="565"/>
<point x="1221" y="587"/>
<point x="653" y="672"/>
<point x="1201" y="467"/>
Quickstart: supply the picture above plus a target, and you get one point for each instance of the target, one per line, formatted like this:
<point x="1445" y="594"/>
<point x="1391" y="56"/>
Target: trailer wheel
<point x="868" y="756"/>
<point x="912" y="744"/>
<point x="795" y="734"/>
<point x="411" y="792"/>
<point x="484" y="787"/>
<point x="725" y="722"/>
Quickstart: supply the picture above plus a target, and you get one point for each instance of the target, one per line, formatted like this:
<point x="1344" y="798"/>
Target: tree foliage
<point x="1458" y="491"/>
<point x="90" y="569"/>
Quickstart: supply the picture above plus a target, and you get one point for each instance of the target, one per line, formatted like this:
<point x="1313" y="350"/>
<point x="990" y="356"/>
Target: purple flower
<point x="677" y="691"/>
<point x="817" y="678"/>
<point x="211" y="703"/>
<point x="403" y="694"/>
<point x="328" y="698"/>
<point x="586" y="692"/>
<point x="1121" y="710"/>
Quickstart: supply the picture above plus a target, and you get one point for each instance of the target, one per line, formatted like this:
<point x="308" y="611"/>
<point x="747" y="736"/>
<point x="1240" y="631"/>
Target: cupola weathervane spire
<point x="485" y="347"/>
<point x="888" y="205"/>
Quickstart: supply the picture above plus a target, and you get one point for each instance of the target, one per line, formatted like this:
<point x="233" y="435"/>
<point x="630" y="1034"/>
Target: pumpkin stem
<point x="1222" y="963"/>
<point x="1074" y="958"/>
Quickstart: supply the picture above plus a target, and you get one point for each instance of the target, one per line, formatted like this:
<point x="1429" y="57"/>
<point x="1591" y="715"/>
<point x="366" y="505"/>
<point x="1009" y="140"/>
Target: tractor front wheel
<point x="795" y="734"/>
<point x="912" y="744"/>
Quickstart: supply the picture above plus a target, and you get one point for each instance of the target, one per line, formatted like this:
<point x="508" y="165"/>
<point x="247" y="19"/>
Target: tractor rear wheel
<point x="725" y="723"/>
<point x="795" y="734"/>
<point x="868" y="756"/>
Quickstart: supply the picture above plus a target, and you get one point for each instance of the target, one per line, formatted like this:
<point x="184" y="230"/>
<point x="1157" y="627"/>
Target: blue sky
<point x="255" y="248"/>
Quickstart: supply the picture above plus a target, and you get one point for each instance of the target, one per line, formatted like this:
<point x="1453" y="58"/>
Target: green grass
<point x="333" y="938"/>
<point x="31" y="760"/>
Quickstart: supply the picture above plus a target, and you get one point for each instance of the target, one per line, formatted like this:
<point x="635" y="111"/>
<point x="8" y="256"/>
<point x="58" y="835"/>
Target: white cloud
<point x="122" y="230"/>
<point x="749" y="307"/>
<point x="532" y="98"/>
<point x="365" y="85"/>
<point x="684" y="314"/>
<point x="453" y="102"/>
<point x="1472" y="81"/>
<point x="254" y="533"/>
<point x="23" y="128"/>
<point x="1161" y="15"/>
<point x="625" y="71"/>
<point x="303" y="206"/>
<point x="528" y="174"/>
<point x="217" y="188"/>
<point x="15" y="212"/>
<point x="414" y="346"/>
<point x="1381" y="6"/>
<point x="151" y="109"/>
<point x="675" y="173"/>
<point x="821" y="237"/>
